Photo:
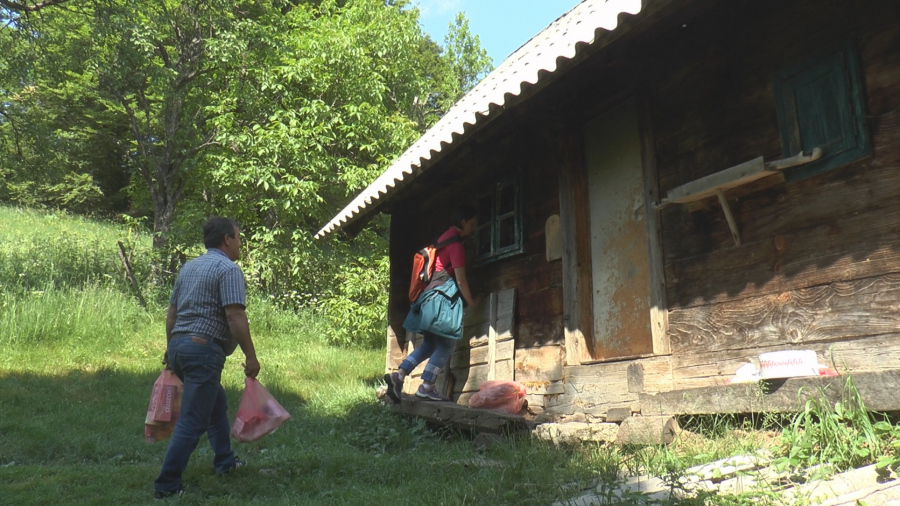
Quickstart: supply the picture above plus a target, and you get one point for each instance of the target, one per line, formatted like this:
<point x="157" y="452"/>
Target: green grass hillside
<point x="80" y="356"/>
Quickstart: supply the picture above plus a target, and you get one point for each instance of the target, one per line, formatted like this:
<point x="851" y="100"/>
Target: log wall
<point x="817" y="263"/>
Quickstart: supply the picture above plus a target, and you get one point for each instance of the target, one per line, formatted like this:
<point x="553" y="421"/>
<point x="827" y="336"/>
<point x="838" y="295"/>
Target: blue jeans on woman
<point x="435" y="349"/>
<point x="204" y="408"/>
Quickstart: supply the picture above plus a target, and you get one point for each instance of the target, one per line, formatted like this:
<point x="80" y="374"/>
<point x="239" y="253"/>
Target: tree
<point x="275" y="113"/>
<point x="25" y="6"/>
<point x="468" y="60"/>
<point x="159" y="64"/>
<point x="326" y="106"/>
<point x="59" y="145"/>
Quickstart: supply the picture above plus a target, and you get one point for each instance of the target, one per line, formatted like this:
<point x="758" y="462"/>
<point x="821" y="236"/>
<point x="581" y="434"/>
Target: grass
<point x="80" y="356"/>
<point x="73" y="396"/>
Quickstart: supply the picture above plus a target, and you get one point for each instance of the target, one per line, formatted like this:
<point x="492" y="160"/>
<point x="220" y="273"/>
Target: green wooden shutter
<point x="820" y="104"/>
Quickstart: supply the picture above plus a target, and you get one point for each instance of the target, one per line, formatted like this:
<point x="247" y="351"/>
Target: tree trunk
<point x="166" y="262"/>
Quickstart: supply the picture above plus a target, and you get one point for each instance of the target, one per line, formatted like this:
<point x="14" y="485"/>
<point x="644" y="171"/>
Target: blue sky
<point x="501" y="25"/>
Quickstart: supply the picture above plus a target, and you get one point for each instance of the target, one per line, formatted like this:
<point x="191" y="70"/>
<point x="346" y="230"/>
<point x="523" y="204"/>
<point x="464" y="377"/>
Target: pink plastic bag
<point x="258" y="414"/>
<point x="165" y="403"/>
<point x="505" y="396"/>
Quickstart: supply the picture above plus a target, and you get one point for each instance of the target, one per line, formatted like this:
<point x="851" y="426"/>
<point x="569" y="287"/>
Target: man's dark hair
<point x="463" y="212"/>
<point x="215" y="230"/>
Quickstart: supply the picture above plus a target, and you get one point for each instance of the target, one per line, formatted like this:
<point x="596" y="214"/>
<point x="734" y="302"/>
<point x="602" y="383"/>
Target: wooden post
<point x="492" y="339"/>
<point x="400" y="254"/>
<point x="130" y="274"/>
<point x="576" y="257"/>
<point x="659" y="311"/>
<point x="735" y="233"/>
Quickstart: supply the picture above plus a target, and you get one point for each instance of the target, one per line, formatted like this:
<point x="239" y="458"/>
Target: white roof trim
<point x="530" y="63"/>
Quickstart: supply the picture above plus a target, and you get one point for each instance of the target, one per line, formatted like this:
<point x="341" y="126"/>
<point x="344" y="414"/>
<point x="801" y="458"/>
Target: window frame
<point x="518" y="245"/>
<point x="843" y="59"/>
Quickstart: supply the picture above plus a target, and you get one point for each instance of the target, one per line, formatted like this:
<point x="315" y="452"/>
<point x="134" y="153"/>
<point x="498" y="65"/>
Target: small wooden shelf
<point x="716" y="184"/>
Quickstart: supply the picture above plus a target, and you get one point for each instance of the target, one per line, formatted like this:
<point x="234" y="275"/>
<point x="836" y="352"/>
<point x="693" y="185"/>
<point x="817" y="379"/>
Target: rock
<point x="571" y="433"/>
<point x="617" y="414"/>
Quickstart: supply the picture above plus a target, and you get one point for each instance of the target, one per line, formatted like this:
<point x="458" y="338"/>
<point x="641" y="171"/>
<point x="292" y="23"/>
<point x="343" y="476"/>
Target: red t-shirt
<point x="451" y="256"/>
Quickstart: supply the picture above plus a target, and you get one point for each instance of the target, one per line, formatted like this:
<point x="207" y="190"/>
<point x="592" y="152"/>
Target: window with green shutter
<point x="499" y="231"/>
<point x="821" y="104"/>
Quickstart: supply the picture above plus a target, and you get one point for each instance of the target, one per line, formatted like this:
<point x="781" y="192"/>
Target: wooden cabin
<point x="667" y="189"/>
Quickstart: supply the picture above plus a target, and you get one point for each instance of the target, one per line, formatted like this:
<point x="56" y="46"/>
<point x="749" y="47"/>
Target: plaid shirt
<point x="205" y="285"/>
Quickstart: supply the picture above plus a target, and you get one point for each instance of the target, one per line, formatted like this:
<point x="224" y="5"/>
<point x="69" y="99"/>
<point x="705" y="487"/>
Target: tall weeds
<point x="841" y="436"/>
<point x="41" y="250"/>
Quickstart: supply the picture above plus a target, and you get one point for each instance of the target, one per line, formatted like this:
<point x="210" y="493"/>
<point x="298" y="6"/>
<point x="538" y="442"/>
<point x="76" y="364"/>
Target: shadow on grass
<point x="77" y="438"/>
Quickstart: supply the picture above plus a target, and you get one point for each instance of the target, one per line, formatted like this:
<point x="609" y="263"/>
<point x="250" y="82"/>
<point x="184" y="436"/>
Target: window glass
<point x="499" y="231"/>
<point x="507" y="199"/>
<point x="485" y="209"/>
<point x="483" y="241"/>
<point x="507" y="232"/>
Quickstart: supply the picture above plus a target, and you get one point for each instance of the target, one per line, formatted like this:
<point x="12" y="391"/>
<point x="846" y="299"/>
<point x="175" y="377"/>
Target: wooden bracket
<point x="735" y="233"/>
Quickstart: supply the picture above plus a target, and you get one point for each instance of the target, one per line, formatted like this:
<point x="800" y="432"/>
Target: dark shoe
<point x="394" y="386"/>
<point x="238" y="463"/>
<point x="430" y="394"/>
<point x="163" y="494"/>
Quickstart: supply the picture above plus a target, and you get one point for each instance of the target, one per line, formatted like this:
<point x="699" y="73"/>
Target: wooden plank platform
<point x="461" y="417"/>
<point x="877" y="388"/>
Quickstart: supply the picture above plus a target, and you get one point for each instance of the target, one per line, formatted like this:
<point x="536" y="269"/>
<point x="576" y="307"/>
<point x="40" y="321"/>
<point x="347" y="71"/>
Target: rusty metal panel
<point x="619" y="251"/>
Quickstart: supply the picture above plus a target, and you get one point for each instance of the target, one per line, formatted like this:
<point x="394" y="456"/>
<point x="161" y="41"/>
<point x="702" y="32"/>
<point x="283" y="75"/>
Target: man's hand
<point x="251" y="367"/>
<point x="165" y="361"/>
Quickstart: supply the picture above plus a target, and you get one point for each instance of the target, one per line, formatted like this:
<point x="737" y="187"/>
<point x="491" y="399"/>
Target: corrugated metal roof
<point x="532" y="62"/>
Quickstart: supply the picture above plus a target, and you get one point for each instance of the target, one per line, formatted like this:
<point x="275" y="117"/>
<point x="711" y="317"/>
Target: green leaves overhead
<point x="275" y="113"/>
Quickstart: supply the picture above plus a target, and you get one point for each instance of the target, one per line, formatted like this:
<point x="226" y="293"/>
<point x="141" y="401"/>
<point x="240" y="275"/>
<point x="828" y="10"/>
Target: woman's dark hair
<point x="215" y="230"/>
<point x="463" y="212"/>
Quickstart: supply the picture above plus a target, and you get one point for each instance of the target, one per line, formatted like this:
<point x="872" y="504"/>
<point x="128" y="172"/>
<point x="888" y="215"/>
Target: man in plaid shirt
<point x="206" y="321"/>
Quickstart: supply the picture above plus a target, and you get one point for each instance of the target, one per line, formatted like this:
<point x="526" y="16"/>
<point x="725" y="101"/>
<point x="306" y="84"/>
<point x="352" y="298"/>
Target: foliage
<point x="841" y="436"/>
<point x="273" y="113"/>
<point x="470" y="62"/>
<point x="321" y="118"/>
<point x="52" y="124"/>
<point x="76" y="192"/>
<point x="357" y="309"/>
<point x="26" y="6"/>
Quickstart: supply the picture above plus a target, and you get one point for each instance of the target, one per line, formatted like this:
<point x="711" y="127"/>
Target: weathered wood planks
<point x="486" y="351"/>
<point x="459" y="417"/>
<point x="827" y="313"/>
<point x="594" y="389"/>
<point x="576" y="259"/>
<point x="877" y="389"/>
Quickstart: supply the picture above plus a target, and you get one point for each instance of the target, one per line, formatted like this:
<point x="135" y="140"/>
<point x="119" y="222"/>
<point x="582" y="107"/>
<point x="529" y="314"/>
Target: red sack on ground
<point x="505" y="396"/>
<point x="165" y="403"/>
<point x="258" y="414"/>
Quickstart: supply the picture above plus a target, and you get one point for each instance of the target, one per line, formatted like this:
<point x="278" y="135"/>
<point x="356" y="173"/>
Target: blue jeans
<point x="435" y="349"/>
<point x="204" y="408"/>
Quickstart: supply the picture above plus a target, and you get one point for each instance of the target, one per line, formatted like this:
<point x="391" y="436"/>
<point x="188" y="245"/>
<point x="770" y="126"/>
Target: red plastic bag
<point x="165" y="403"/>
<point x="505" y="396"/>
<point x="258" y="414"/>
